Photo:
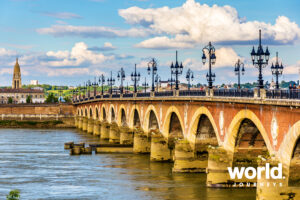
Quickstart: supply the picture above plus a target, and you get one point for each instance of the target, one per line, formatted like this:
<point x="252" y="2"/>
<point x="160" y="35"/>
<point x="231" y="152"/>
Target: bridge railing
<point x="164" y="94"/>
<point x="192" y="93"/>
<point x="128" y="95"/>
<point x="233" y="92"/>
<point x="283" y="94"/>
<point x="145" y="94"/>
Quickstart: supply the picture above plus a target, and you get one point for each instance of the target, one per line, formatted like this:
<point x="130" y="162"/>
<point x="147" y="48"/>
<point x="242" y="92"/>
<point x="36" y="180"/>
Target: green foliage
<point x="67" y="99"/>
<point x="29" y="99"/>
<point x="13" y="195"/>
<point x="51" y="98"/>
<point x="10" y="100"/>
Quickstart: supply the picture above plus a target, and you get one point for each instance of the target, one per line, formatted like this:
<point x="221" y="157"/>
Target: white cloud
<point x="106" y="47"/>
<point x="194" y="23"/>
<point x="6" y="52"/>
<point x="292" y="69"/>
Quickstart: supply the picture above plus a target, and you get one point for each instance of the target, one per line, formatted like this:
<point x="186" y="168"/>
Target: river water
<point x="35" y="162"/>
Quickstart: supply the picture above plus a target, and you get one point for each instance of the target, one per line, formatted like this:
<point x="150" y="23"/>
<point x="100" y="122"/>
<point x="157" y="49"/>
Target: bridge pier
<point x="141" y="142"/>
<point x="84" y="124"/>
<point x="160" y="150"/>
<point x="79" y="123"/>
<point x="76" y="121"/>
<point x="96" y="128"/>
<point x="126" y="135"/>
<point x="217" y="173"/>
<point x="186" y="160"/>
<point x="114" y="133"/>
<point x="90" y="126"/>
<point x="104" y="133"/>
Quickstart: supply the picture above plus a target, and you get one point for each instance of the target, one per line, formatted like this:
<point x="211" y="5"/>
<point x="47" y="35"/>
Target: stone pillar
<point x="84" y="124"/>
<point x="104" y="131"/>
<point x="126" y="135"/>
<point x="141" y="142"/>
<point x="96" y="128"/>
<point x="80" y="122"/>
<point x="217" y="173"/>
<point x="90" y="126"/>
<point x="159" y="149"/>
<point x="114" y="133"/>
<point x="185" y="159"/>
<point x="76" y="121"/>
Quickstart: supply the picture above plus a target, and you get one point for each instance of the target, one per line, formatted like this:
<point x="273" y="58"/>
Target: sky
<point x="67" y="42"/>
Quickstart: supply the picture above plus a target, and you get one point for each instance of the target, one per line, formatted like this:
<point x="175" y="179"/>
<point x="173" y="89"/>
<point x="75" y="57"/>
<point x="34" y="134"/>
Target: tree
<point x="67" y="99"/>
<point x="28" y="99"/>
<point x="10" y="100"/>
<point x="51" y="98"/>
<point x="13" y="195"/>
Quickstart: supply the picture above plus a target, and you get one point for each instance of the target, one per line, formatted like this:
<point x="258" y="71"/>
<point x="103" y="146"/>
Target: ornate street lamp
<point x="189" y="77"/>
<point x="111" y="82"/>
<point x="277" y="70"/>
<point x="88" y="85"/>
<point x="145" y="84"/>
<point x="176" y="70"/>
<point x="121" y="76"/>
<point x="210" y="49"/>
<point x="152" y="66"/>
<point x="157" y="81"/>
<point x="171" y="81"/>
<point x="135" y="77"/>
<point x="95" y="84"/>
<point x="101" y="81"/>
<point x="260" y="60"/>
<point x="239" y="67"/>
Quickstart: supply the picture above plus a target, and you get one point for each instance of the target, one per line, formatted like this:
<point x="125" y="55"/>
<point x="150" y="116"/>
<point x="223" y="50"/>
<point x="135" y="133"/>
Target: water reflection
<point x="35" y="162"/>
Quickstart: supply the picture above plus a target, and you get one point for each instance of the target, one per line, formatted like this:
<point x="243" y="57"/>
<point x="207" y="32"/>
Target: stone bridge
<point x="203" y="133"/>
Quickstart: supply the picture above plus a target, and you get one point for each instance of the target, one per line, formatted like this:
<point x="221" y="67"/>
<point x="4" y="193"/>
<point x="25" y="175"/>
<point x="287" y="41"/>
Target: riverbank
<point x="36" y="124"/>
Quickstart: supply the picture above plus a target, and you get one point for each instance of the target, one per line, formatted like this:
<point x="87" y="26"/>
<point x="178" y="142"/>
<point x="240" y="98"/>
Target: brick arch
<point x="288" y="144"/>
<point x="167" y="121"/>
<point x="119" y="117"/>
<point x="229" y="142"/>
<point x="86" y="111"/>
<point x="147" y="115"/>
<point x="81" y="112"/>
<point x="78" y="112"/>
<point x="111" y="108"/>
<point x="96" y="113"/>
<point x="102" y="112"/>
<point x="131" y="118"/>
<point x="90" y="112"/>
<point x="194" y="125"/>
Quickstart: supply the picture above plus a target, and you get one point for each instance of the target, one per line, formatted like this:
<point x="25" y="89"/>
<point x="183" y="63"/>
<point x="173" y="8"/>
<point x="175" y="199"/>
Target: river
<point x="35" y="162"/>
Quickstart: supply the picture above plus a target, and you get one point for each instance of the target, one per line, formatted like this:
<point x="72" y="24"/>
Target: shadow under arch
<point x="97" y="113"/>
<point x="122" y="119"/>
<point x="151" y="120"/>
<point x="134" y="119"/>
<point x="112" y="115"/>
<point x="173" y="124"/>
<point x="90" y="113"/>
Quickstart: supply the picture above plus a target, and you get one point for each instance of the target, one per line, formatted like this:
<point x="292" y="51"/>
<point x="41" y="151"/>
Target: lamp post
<point x="95" y="84"/>
<point x="111" y="82"/>
<point x="145" y="84"/>
<point x="121" y="76"/>
<point x="101" y="81"/>
<point x="135" y="77"/>
<point x="152" y="66"/>
<point x="277" y="70"/>
<point x="157" y="81"/>
<point x="260" y="60"/>
<point x="88" y="85"/>
<point x="210" y="49"/>
<point x="189" y="77"/>
<point x="176" y="70"/>
<point x="239" y="67"/>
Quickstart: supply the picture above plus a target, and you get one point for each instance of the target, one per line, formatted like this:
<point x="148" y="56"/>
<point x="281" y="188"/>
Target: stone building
<point x="18" y="94"/>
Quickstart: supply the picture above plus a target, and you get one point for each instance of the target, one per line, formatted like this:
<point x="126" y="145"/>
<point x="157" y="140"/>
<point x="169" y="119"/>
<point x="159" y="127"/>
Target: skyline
<point x="71" y="43"/>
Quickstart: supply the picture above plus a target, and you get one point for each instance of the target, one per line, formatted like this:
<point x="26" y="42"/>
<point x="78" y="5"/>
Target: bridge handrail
<point x="192" y="93"/>
<point x="283" y="94"/>
<point x="222" y="92"/>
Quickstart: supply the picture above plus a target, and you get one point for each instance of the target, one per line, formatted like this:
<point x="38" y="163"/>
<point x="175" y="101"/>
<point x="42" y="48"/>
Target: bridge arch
<point x="134" y="120"/>
<point x="172" y="118"/>
<point x="234" y="127"/>
<point x="199" y="114"/>
<point x="81" y="112"/>
<point x="96" y="113"/>
<point x="86" y="112"/>
<point x="112" y="114"/>
<point x="150" y="113"/>
<point x="288" y="144"/>
<point x="90" y="114"/>
<point x="103" y="115"/>
<point x="122" y="116"/>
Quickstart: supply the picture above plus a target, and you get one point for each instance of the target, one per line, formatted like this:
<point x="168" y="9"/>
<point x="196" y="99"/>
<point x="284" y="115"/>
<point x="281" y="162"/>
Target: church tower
<point x="16" y="83"/>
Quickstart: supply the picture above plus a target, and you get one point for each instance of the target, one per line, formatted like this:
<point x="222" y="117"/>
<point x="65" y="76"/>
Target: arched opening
<point x="113" y="116"/>
<point x="78" y="112"/>
<point x="249" y="144"/>
<point x="294" y="175"/>
<point x="153" y="123"/>
<point x="91" y="113"/>
<point x="86" y="113"/>
<point x="123" y="118"/>
<point x="81" y="112"/>
<point x="103" y="114"/>
<point x="205" y="136"/>
<point x="97" y="113"/>
<point x="175" y="130"/>
<point x="136" y="119"/>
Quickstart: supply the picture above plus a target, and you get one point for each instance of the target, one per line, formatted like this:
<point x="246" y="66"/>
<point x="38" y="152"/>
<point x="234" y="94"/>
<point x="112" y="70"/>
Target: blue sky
<point x="69" y="42"/>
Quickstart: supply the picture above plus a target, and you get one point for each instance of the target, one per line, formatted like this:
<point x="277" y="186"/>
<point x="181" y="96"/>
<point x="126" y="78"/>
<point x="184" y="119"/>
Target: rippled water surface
<point x="35" y="162"/>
